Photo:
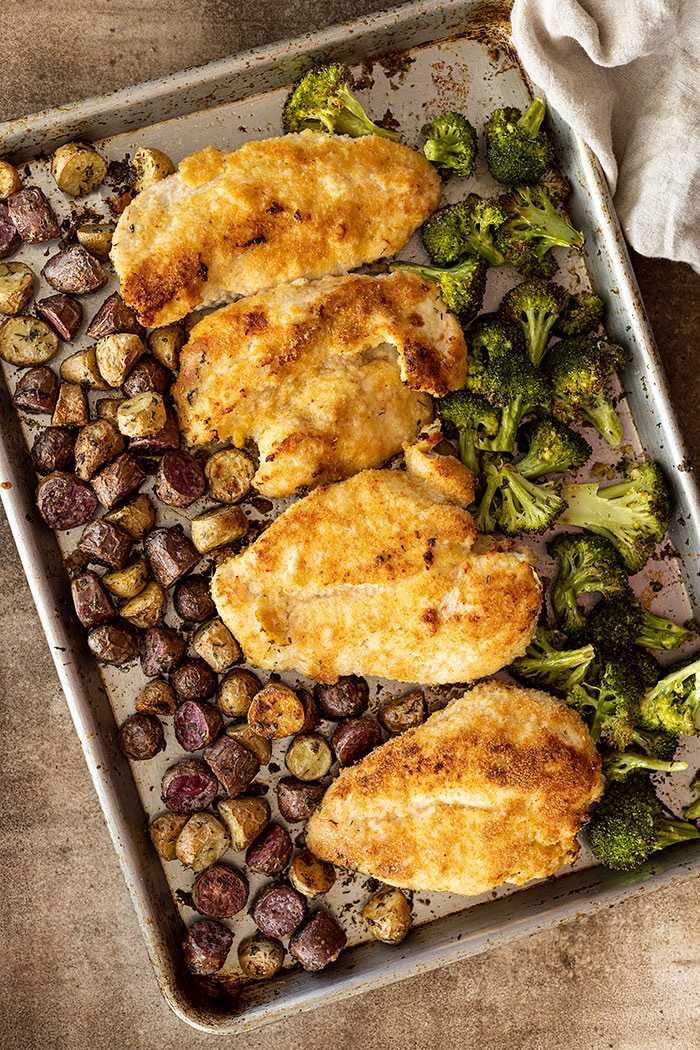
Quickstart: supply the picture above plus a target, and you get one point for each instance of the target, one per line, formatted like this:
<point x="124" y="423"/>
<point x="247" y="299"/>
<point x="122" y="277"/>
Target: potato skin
<point x="278" y="910"/>
<point x="245" y="819"/>
<point x="62" y="313"/>
<point x="75" y="271"/>
<point x="114" y="317"/>
<point x="81" y="367"/>
<point x="36" y="391"/>
<point x="170" y="553"/>
<point x="236" y="693"/>
<point x="137" y="517"/>
<point x="261" y="748"/>
<point x="129" y="581"/>
<point x="355" y="738"/>
<point x="234" y="765"/>
<point x="387" y="915"/>
<point x="194" y="680"/>
<point x="165" y="344"/>
<point x="53" y="450"/>
<point x="161" y="650"/>
<point x="164" y="831"/>
<point x="347" y="698"/>
<point x="156" y="698"/>
<point x="403" y="712"/>
<point x="197" y="724"/>
<point x="276" y="712"/>
<point x="271" y="852"/>
<point x="260" y="956"/>
<point x="147" y="608"/>
<point x="192" y="600"/>
<point x="114" y="643"/>
<point x="64" y="501"/>
<point x="119" y="479"/>
<point x="215" y="644"/>
<point x="71" y="407"/>
<point x="96" y="444"/>
<point x="96" y="237"/>
<point x="142" y="415"/>
<point x="92" y="606"/>
<point x="106" y="544"/>
<point x="215" y="528"/>
<point x="32" y="215"/>
<point x="297" y="799"/>
<point x="141" y="737"/>
<point x="318" y="942"/>
<point x="116" y="356"/>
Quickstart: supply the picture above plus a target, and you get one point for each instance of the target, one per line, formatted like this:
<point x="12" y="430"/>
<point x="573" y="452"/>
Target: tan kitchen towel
<point x="625" y="74"/>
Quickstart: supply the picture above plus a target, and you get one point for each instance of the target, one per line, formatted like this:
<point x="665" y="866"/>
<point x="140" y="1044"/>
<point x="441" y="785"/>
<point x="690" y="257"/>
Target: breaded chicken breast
<point x="328" y="377"/>
<point x="492" y="789"/>
<point x="234" y="223"/>
<point x="376" y="575"/>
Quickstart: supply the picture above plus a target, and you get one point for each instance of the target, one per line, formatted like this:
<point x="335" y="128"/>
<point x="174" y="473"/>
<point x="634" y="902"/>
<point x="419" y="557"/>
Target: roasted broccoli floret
<point x="588" y="564"/>
<point x="618" y="765"/>
<point x="693" y="810"/>
<point x="533" y="226"/>
<point x="535" y="306"/>
<point x="516" y="387"/>
<point x="554" y="449"/>
<point x="557" y="185"/>
<point x="673" y="703"/>
<point x="610" y="707"/>
<point x="494" y="336"/>
<point x="473" y="419"/>
<point x="633" y="514"/>
<point x="461" y="286"/>
<point x="628" y="825"/>
<point x="579" y="366"/>
<point x="451" y="144"/>
<point x="486" y="517"/>
<point x="322" y="100"/>
<point x="466" y="228"/>
<point x="625" y="621"/>
<point x="548" y="663"/>
<point x="527" y="506"/>
<point x="582" y="313"/>
<point x="655" y="743"/>
<point x="517" y="149"/>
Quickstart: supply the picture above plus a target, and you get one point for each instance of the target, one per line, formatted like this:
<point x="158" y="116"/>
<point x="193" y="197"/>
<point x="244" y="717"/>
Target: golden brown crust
<point x="492" y="789"/>
<point x="313" y="374"/>
<point x="234" y="223"/>
<point x="375" y="575"/>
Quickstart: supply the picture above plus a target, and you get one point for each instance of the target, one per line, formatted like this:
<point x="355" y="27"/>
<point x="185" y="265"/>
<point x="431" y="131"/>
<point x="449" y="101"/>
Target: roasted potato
<point x="192" y="600"/>
<point x="309" y="875"/>
<point x="96" y="444"/>
<point x="137" y="517"/>
<point x="276" y="712"/>
<point x="10" y="240"/>
<point x="202" y="841"/>
<point x="309" y="757"/>
<point x="164" y="831"/>
<point x="233" y="764"/>
<point x="170" y="553"/>
<point x="119" y="479"/>
<point x="260" y="956"/>
<point x="92" y="605"/>
<point x="387" y="915"/>
<point x="161" y="650"/>
<point x="107" y="407"/>
<point x="236" y="693"/>
<point x="318" y="942"/>
<point x="402" y="713"/>
<point x="78" y="169"/>
<point x="32" y="215"/>
<point x="355" y="738"/>
<point x="62" y="313"/>
<point x="261" y="748"/>
<point x="105" y="543"/>
<point x="116" y="356"/>
<point x="188" y="786"/>
<point x="216" y="645"/>
<point x="36" y="391"/>
<point x="96" y="237"/>
<point x="220" y="892"/>
<point x="197" y="724"/>
<point x="64" y="501"/>
<point x="245" y="819"/>
<point x="215" y="528"/>
<point x="194" y="680"/>
<point x="297" y="799"/>
<point x="16" y="284"/>
<point x="129" y="581"/>
<point x="147" y="608"/>
<point x="81" y="367"/>
<point x="206" y="946"/>
<point x="150" y="166"/>
<point x="27" y="341"/>
<point x="71" y="407"/>
<point x="168" y="437"/>
<point x="147" y="375"/>
<point x="165" y="344"/>
<point x="114" y="643"/>
<point x="278" y="909"/>
<point x="75" y="271"/>
<point x="114" y="317"/>
<point x="141" y="737"/>
<point x="141" y="416"/>
<point x="180" y="479"/>
<point x="53" y="450"/>
<point x="271" y="852"/>
<point x="10" y="181"/>
<point x="230" y="475"/>
<point x="156" y="698"/>
<point x="346" y="698"/>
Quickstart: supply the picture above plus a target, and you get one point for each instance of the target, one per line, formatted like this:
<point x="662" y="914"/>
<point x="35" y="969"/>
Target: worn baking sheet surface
<point x="471" y="73"/>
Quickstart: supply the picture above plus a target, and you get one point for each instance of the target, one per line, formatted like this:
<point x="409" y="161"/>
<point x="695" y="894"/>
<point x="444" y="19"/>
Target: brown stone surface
<point x="73" y="970"/>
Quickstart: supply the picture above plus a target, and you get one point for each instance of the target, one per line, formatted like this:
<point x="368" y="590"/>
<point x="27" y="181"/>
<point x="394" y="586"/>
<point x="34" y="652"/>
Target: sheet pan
<point x="416" y="60"/>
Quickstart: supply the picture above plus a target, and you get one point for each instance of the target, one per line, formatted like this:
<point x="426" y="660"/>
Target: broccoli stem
<point x="624" y="762"/>
<point x="669" y="831"/>
<point x="555" y="227"/>
<point x="693" y="811"/>
<point x="598" y="411"/>
<point x="442" y="150"/>
<point x="537" y="331"/>
<point x="658" y="632"/>
<point x="467" y="450"/>
<point x="566" y="607"/>
<point x="353" y="120"/>
<point x="532" y="118"/>
<point x="485" y="519"/>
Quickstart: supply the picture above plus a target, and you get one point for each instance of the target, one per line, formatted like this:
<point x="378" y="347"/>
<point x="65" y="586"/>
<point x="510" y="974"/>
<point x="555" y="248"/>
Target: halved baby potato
<point x="150" y="166"/>
<point x="78" y="169"/>
<point x="96" y="237"/>
<point x="27" y="341"/>
<point x="202" y="841"/>
<point x="143" y="415"/>
<point x="16" y="284"/>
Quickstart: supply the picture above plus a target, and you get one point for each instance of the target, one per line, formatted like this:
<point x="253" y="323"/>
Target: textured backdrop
<point x="73" y="970"/>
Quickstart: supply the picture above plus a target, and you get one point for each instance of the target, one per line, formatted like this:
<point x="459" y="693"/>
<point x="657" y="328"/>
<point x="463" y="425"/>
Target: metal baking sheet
<point x="416" y="60"/>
